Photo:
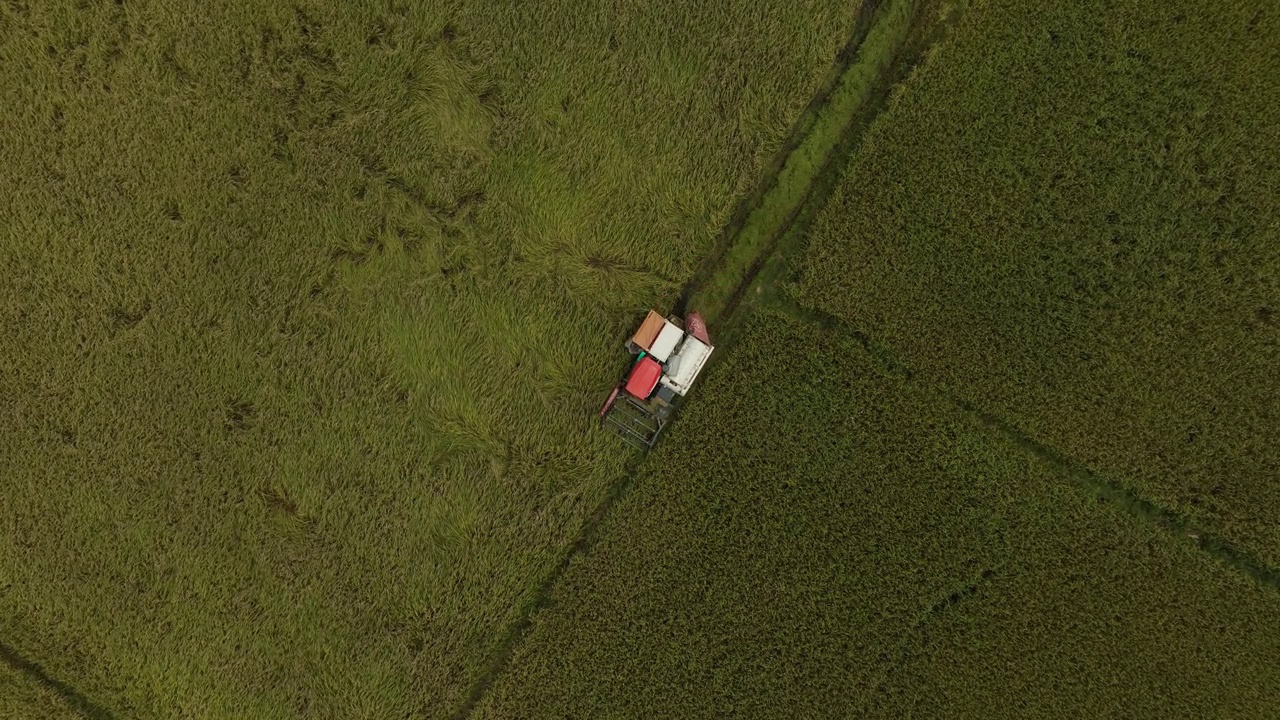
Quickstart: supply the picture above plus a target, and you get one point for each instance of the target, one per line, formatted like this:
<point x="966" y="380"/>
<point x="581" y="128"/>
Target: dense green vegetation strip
<point x="307" y="308"/>
<point x="1068" y="219"/>
<point x="822" y="528"/>
<point x="879" y="50"/>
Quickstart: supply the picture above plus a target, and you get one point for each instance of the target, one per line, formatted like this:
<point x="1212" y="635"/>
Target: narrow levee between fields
<point x="1104" y="489"/>
<point x="810" y="140"/>
<point x="1107" y="490"/>
<point x="890" y="37"/>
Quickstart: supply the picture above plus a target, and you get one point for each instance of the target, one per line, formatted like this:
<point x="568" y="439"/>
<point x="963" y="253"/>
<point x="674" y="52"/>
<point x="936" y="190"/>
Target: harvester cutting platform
<point x="669" y="356"/>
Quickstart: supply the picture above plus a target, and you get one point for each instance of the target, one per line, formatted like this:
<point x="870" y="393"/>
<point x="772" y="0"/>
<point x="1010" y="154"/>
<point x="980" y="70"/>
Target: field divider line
<point x="761" y="286"/>
<point x="74" y="699"/>
<point x="1114" y="492"/>
<point x="801" y="130"/>
<point x="760" y="282"/>
<point x="541" y="597"/>
<point x="1083" y="477"/>
<point x="898" y="39"/>
<point x="816" y="149"/>
<point x="771" y="241"/>
<point x="901" y="654"/>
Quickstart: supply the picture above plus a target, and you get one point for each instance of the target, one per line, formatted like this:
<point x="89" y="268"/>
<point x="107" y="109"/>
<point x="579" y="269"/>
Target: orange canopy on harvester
<point x="648" y="332"/>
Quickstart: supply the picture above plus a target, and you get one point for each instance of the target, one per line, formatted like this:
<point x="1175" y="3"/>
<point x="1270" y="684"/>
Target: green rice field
<point x="858" y="546"/>
<point x="1068" y="217"/>
<point x="308" y="309"/>
<point x="23" y="696"/>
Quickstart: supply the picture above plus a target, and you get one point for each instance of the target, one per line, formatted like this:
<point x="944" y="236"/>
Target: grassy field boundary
<point x="1106" y="490"/>
<point x="799" y="133"/>
<point x="768" y="225"/>
<point x="70" y="695"/>
<point x="900" y="34"/>
<point x="757" y="277"/>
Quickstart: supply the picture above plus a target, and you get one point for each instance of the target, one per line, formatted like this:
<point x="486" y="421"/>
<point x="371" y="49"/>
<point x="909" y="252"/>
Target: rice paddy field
<point x="939" y="484"/>
<point x="857" y="546"/>
<point x="1068" y="217"/>
<point x="308" y="309"/>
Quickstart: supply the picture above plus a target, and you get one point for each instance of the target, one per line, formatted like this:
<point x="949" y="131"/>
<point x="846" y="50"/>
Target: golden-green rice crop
<point x="1068" y="217"/>
<point x="822" y="539"/>
<point x="23" y="696"/>
<point x="307" y="308"/>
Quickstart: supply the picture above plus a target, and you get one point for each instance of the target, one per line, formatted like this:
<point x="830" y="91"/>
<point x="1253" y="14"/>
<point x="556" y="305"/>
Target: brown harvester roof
<point x="648" y="331"/>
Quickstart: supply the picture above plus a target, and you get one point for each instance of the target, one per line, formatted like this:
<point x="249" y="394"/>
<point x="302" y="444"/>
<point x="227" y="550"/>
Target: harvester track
<point x="795" y="137"/>
<point x="929" y="24"/>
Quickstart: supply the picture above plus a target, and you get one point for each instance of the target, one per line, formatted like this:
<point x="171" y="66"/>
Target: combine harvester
<point x="668" y="360"/>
